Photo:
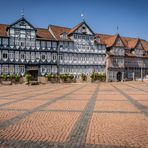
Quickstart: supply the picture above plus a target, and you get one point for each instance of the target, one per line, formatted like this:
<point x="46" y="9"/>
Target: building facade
<point x="58" y="50"/>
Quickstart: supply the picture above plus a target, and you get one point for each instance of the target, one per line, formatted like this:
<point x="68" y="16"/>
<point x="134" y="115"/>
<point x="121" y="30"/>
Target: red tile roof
<point x="3" y="32"/>
<point x="128" y="42"/>
<point x="44" y="34"/>
<point x="58" y="30"/>
<point x="108" y="40"/>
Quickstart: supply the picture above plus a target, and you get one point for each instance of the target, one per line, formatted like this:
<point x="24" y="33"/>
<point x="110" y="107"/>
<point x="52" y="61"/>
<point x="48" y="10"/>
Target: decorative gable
<point x="82" y="28"/>
<point x="119" y="42"/>
<point x="22" y="24"/>
<point x="139" y="45"/>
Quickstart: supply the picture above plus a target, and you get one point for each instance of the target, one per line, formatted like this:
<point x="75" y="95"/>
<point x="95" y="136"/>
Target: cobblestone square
<point x="99" y="115"/>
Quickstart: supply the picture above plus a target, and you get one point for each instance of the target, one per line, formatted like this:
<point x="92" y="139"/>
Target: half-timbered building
<point x="58" y="50"/>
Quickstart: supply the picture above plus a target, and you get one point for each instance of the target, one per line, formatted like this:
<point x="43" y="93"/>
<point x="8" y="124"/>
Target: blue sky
<point x="103" y="16"/>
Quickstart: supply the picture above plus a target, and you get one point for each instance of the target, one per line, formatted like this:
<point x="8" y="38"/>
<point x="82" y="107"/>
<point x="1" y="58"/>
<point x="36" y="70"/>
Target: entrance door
<point x="34" y="75"/>
<point x="119" y="76"/>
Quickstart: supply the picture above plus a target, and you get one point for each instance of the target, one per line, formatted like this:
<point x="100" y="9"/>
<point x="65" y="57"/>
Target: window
<point x="66" y="45"/>
<point x="54" y="69"/>
<point x="12" y="42"/>
<point x="71" y="45"/>
<point x="23" y="34"/>
<point x="43" y="70"/>
<point x="16" y="55"/>
<point x="32" y="34"/>
<point x="54" y="45"/>
<point x="32" y="56"/>
<point x="22" y="56"/>
<point x="28" y="34"/>
<point x="17" y="32"/>
<point x="48" y="57"/>
<point x="64" y="35"/>
<point x="48" y="45"/>
<point x="17" y="70"/>
<point x="32" y="44"/>
<point x="27" y="56"/>
<point x="17" y="43"/>
<point x="61" y="57"/>
<point x="11" y="55"/>
<point x="54" y="57"/>
<point x="83" y="37"/>
<point x="75" y="36"/>
<point x="28" y="44"/>
<point x="43" y="57"/>
<point x="22" y="70"/>
<point x="11" y="69"/>
<point x="22" y="44"/>
<point x="12" y="32"/>
<point x="37" y="56"/>
<point x="61" y="46"/>
<point x="5" y="41"/>
<point x="22" y="25"/>
<point x="5" y="69"/>
<point x="43" y="44"/>
<point x="38" y="44"/>
<point x="5" y="55"/>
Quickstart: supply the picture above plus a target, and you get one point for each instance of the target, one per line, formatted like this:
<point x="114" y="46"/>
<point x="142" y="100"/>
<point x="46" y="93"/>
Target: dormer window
<point x="64" y="36"/>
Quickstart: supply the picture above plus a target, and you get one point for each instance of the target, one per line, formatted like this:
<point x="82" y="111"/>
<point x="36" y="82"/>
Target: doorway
<point x="119" y="76"/>
<point x="34" y="75"/>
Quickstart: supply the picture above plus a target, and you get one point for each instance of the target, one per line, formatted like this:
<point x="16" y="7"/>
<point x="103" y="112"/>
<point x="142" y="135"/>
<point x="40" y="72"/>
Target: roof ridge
<point x="58" y="26"/>
<point x="42" y="28"/>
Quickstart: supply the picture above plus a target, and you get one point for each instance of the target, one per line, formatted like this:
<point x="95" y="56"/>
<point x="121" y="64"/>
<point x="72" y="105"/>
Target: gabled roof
<point x="132" y="43"/>
<point x="128" y="42"/>
<point x="79" y="25"/>
<point x="111" y="41"/>
<point x="44" y="34"/>
<point x="58" y="30"/>
<point x="22" y="19"/>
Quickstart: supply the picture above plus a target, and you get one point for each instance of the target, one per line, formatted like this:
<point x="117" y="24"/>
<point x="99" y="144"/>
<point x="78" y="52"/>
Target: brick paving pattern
<point x="103" y="115"/>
